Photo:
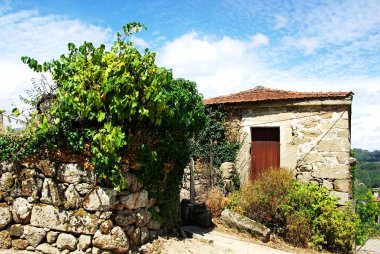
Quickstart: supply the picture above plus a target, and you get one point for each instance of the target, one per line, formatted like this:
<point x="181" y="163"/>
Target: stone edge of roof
<point x="234" y="97"/>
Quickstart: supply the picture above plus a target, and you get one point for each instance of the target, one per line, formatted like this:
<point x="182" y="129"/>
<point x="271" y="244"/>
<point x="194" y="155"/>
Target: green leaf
<point x="16" y="112"/>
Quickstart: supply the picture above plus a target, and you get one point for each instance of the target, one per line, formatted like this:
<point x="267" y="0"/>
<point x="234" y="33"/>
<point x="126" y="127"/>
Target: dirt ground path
<point x="209" y="242"/>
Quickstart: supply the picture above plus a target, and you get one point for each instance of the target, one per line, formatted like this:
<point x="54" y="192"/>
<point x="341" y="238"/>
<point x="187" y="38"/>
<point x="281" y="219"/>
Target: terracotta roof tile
<point x="260" y="93"/>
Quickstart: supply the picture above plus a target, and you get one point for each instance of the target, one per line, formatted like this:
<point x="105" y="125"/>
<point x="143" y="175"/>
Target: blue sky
<point x="225" y="46"/>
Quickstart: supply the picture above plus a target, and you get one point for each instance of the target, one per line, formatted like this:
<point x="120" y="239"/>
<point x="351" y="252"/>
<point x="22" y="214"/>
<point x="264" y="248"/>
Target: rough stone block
<point x="31" y="184"/>
<point x="47" y="167"/>
<point x="343" y="157"/>
<point x="51" y="237"/>
<point x="66" y="242"/>
<point x="116" y="241"/>
<point x="241" y="222"/>
<point x="73" y="173"/>
<point x="142" y="217"/>
<point x="333" y="145"/>
<point x="227" y="169"/>
<point x="5" y="215"/>
<point x="51" y="217"/>
<point x="135" y="200"/>
<point x="304" y="177"/>
<point x="328" y="185"/>
<point x="106" y="227"/>
<point x="125" y="217"/>
<point x="5" y="240"/>
<point x="16" y="230"/>
<point x="34" y="235"/>
<point x="342" y="185"/>
<point x="72" y="198"/>
<point x="83" y="188"/>
<point x="50" y="193"/>
<point x="47" y="249"/>
<point x="7" y="167"/>
<point x="7" y="181"/>
<point x="332" y="172"/>
<point x="21" y="210"/>
<point x="101" y="199"/>
<point x="342" y="197"/>
<point x="95" y="250"/>
<point x="313" y="158"/>
<point x="84" y="242"/>
<point x="311" y="133"/>
<point x="135" y="236"/>
<point x="20" y="244"/>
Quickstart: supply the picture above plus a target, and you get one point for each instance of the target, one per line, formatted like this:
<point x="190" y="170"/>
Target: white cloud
<point x="258" y="40"/>
<point x="334" y="23"/>
<point x="228" y="65"/>
<point x="218" y="66"/>
<point x="41" y="37"/>
<point x="139" y="42"/>
<point x="308" y="45"/>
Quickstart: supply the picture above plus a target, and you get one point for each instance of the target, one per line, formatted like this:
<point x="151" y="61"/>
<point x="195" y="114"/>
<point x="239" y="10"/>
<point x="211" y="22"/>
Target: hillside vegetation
<point x="368" y="167"/>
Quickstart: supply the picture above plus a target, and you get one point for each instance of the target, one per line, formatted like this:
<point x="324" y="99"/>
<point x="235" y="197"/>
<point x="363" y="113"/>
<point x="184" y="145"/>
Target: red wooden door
<point x="265" y="150"/>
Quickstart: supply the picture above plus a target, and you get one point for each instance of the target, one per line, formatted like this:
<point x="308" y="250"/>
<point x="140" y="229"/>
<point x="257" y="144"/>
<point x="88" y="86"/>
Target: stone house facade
<point x="306" y="132"/>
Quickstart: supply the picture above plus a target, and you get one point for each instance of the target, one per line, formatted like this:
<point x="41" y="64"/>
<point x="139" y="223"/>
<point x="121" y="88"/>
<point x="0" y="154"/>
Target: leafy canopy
<point x="119" y="111"/>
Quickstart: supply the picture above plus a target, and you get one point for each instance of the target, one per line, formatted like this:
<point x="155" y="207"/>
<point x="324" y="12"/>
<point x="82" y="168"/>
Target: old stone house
<point x="306" y="132"/>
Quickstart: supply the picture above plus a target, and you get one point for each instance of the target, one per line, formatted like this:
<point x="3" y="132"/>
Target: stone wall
<point x="54" y="207"/>
<point x="203" y="182"/>
<point x="314" y="140"/>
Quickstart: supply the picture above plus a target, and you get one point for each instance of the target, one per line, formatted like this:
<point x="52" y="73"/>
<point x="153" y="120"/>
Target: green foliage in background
<point x="368" y="167"/>
<point x="119" y="110"/>
<point x="368" y="211"/>
<point x="212" y="144"/>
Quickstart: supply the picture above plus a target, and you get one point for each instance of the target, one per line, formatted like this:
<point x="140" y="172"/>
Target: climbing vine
<point x="212" y="143"/>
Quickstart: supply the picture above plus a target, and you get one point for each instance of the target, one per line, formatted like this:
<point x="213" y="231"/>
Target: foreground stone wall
<point x="314" y="140"/>
<point x="55" y="207"/>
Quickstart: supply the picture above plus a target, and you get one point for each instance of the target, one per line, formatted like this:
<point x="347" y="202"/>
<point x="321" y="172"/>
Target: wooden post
<point x="192" y="184"/>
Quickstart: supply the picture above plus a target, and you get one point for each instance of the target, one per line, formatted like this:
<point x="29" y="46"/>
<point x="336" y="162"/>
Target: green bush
<point x="304" y="214"/>
<point x="325" y="225"/>
<point x="368" y="211"/>
<point x="119" y="112"/>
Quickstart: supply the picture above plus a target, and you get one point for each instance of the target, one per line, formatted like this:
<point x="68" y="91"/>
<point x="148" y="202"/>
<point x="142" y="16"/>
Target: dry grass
<point x="214" y="201"/>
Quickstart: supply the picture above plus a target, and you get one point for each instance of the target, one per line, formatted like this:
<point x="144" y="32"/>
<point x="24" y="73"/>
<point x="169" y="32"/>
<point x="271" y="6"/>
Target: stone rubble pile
<point x="53" y="207"/>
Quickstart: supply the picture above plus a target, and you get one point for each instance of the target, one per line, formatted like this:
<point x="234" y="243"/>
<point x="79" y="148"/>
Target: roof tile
<point x="260" y="93"/>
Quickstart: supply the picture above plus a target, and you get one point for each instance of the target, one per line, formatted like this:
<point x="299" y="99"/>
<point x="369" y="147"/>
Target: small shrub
<point x="262" y="200"/>
<point x="214" y="201"/>
<point x="298" y="230"/>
